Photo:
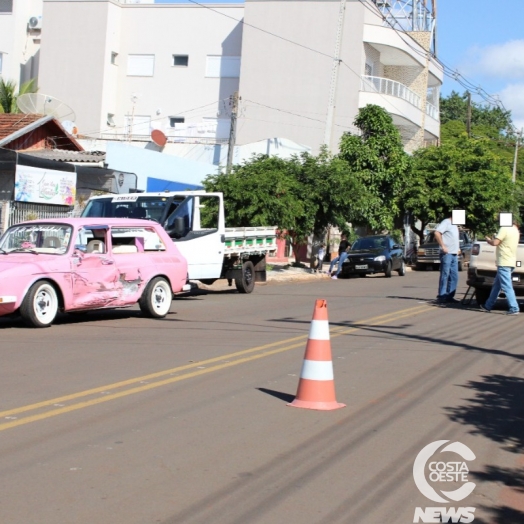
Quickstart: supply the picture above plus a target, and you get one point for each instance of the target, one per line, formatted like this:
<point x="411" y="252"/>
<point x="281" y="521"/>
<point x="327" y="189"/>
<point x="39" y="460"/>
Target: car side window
<point x="135" y="240"/>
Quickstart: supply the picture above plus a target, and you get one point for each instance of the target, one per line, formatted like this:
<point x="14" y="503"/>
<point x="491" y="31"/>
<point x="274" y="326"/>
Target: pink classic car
<point x="79" y="264"/>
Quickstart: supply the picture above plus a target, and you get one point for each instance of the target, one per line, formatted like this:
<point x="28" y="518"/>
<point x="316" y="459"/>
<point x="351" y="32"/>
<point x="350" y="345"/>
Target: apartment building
<point x="125" y="68"/>
<point x="309" y="65"/>
<point x="302" y="68"/>
<point x="20" y="30"/>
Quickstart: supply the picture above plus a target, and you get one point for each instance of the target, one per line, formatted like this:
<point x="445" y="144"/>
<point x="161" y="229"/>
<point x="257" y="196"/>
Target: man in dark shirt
<point x="343" y="248"/>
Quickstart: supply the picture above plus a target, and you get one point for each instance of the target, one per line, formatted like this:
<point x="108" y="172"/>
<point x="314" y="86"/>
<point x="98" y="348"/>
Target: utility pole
<point x="468" y="121"/>
<point x="334" y="76"/>
<point x="233" y="101"/>
<point x="514" y="177"/>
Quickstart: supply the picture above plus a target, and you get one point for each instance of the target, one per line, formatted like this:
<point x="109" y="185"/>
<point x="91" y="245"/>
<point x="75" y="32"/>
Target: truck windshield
<point x="132" y="206"/>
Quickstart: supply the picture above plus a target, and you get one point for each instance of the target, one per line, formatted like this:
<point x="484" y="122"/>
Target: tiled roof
<point x="61" y="155"/>
<point x="12" y="122"/>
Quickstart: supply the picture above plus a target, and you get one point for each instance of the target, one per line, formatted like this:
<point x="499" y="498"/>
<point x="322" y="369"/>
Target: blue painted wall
<point x="157" y="171"/>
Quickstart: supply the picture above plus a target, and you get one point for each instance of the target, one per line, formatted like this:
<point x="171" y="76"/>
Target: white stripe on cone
<point x="319" y="330"/>
<point x="317" y="370"/>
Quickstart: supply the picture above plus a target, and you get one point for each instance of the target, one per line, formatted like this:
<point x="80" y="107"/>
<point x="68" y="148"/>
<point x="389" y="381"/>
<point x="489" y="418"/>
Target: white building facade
<point x="302" y="68"/>
<point x="311" y="64"/>
<point x="21" y="23"/>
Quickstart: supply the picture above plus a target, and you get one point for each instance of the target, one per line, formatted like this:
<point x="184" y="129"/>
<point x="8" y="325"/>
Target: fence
<point x="15" y="212"/>
<point x="385" y="86"/>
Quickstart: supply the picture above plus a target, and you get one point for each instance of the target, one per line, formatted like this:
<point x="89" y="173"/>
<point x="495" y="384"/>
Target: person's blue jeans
<point x="448" y="281"/>
<point x="503" y="283"/>
<point x="340" y="259"/>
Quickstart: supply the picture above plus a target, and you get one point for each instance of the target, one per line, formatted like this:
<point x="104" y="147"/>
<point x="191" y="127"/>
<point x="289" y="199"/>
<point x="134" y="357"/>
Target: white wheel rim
<point x="161" y="298"/>
<point x="45" y="304"/>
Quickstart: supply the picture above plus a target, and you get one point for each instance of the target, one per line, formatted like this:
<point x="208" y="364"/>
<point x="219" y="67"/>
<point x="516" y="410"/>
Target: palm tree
<point x="9" y="96"/>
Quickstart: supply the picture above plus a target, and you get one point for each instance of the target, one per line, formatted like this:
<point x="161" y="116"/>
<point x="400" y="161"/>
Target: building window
<point x="6" y="6"/>
<point x="140" y="65"/>
<point x="114" y="58"/>
<point x="174" y="120"/>
<point x="223" y="66"/>
<point x="180" y="60"/>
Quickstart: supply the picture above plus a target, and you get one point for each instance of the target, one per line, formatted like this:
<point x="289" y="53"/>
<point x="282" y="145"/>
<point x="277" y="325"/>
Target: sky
<point x="483" y="40"/>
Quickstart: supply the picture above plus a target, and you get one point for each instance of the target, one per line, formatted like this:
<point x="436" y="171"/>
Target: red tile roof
<point x="12" y="122"/>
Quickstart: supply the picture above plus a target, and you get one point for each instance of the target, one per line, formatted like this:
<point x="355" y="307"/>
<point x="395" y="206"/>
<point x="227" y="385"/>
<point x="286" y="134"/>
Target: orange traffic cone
<point x="316" y="388"/>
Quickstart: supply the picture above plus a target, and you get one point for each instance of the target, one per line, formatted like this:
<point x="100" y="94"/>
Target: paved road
<point x="110" y="418"/>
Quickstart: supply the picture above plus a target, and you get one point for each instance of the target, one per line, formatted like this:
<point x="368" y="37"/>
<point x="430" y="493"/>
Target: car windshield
<point x="52" y="239"/>
<point x="131" y="206"/>
<point x="369" y="243"/>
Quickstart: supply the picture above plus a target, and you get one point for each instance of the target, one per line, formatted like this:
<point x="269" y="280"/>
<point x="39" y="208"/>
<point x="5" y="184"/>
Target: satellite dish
<point x="158" y="137"/>
<point x="40" y="104"/>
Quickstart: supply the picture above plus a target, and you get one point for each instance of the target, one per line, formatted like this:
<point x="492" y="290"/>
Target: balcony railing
<point x="385" y="86"/>
<point x="432" y="111"/>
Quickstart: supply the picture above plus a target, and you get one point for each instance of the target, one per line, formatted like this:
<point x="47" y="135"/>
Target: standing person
<point x="343" y="248"/>
<point x="447" y="236"/>
<point x="506" y="242"/>
<point x="321" y="254"/>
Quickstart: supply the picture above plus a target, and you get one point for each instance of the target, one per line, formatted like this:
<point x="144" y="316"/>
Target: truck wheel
<point x="419" y="266"/>
<point x="40" y="306"/>
<point x="460" y="266"/>
<point x="482" y="295"/>
<point x="155" y="301"/>
<point x="246" y="283"/>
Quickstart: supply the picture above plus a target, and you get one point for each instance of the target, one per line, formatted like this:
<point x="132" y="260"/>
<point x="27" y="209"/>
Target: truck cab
<point x="193" y="219"/>
<point x="428" y="252"/>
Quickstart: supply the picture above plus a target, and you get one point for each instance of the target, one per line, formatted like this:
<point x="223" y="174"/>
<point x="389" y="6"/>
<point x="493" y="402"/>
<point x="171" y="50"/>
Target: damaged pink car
<point x="81" y="264"/>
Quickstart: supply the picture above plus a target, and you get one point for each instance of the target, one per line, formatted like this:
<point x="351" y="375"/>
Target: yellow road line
<point x="382" y="319"/>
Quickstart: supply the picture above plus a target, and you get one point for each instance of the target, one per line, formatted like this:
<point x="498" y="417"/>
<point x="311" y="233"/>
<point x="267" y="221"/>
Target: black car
<point x="375" y="254"/>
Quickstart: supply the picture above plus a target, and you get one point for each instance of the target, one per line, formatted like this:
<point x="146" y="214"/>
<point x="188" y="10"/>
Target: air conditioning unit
<point x="35" y="22"/>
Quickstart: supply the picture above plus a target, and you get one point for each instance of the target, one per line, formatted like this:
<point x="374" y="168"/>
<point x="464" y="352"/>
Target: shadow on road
<point x="513" y="478"/>
<point x="501" y="515"/>
<point x="286" y="397"/>
<point x="496" y="411"/>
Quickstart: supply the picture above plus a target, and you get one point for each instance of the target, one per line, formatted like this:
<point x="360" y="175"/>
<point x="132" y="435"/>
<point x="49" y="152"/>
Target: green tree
<point x="378" y="162"/>
<point x="464" y="174"/>
<point x="300" y="195"/>
<point x="9" y="96"/>
<point x="455" y="107"/>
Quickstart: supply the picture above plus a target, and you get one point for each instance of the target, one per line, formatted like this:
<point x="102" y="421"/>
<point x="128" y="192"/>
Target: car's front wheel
<point x="40" y="306"/>
<point x="155" y="301"/>
<point x="387" y="273"/>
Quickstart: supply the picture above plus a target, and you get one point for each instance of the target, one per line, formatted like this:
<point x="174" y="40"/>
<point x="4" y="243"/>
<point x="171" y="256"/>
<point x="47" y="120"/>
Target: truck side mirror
<point x="179" y="227"/>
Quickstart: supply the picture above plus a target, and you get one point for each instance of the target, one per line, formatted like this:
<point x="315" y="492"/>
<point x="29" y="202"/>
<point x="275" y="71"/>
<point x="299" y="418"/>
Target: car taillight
<point x="475" y="250"/>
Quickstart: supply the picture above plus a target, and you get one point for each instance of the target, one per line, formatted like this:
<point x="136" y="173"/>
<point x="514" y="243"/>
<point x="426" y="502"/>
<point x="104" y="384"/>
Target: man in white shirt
<point x="447" y="236"/>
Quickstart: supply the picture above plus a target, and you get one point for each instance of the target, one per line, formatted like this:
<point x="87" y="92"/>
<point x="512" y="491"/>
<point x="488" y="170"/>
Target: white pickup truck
<point x="483" y="268"/>
<point x="195" y="221"/>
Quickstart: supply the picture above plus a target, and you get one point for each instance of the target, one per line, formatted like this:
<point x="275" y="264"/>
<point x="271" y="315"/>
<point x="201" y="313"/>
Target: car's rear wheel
<point x="387" y="273"/>
<point x="155" y="301"/>
<point x="402" y="269"/>
<point x="40" y="306"/>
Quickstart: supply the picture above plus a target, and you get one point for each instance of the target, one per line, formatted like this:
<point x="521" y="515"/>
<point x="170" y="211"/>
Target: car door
<point x="94" y="276"/>
<point x="395" y="253"/>
<point x="203" y="237"/>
